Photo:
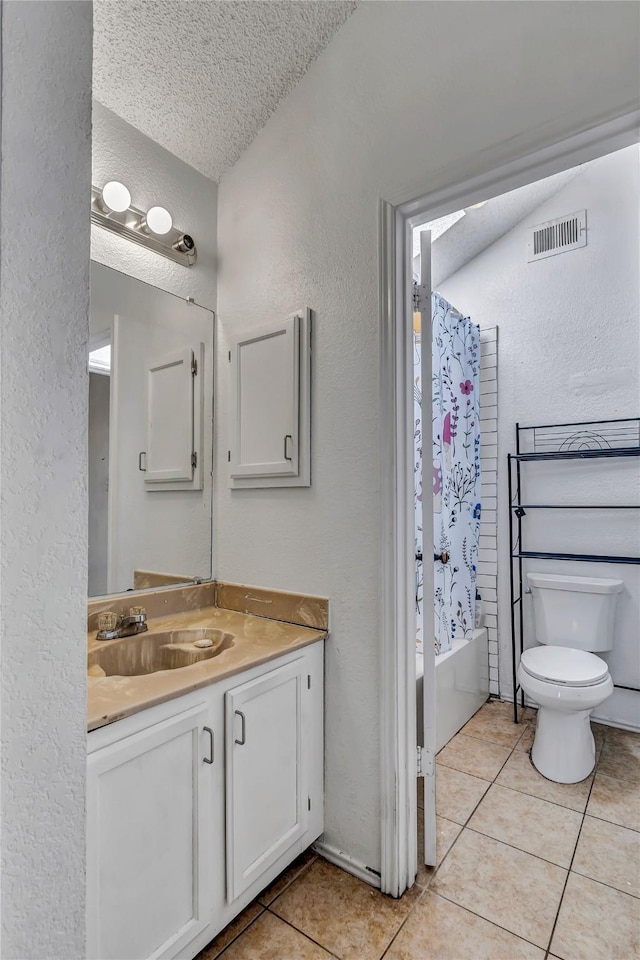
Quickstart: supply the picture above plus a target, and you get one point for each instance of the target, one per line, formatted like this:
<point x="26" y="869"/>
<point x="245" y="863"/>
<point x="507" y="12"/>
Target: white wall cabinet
<point x="174" y="421"/>
<point x="270" y="410"/>
<point x="167" y="869"/>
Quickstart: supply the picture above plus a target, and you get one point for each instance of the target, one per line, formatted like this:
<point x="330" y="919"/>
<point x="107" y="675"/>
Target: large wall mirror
<point x="150" y="436"/>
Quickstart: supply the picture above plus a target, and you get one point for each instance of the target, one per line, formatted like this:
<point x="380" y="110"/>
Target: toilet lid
<point x="576" y="668"/>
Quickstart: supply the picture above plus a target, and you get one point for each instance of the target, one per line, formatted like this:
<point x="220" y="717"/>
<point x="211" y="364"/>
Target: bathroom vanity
<point x="204" y="781"/>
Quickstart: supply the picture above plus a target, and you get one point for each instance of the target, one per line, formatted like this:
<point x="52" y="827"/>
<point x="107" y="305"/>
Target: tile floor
<point x="526" y="868"/>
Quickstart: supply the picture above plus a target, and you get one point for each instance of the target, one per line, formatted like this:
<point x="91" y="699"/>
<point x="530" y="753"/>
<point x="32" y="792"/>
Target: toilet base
<point x="563" y="748"/>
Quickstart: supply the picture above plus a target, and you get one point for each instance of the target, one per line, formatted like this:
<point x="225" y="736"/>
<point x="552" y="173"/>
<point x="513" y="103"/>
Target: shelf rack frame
<point x="584" y="440"/>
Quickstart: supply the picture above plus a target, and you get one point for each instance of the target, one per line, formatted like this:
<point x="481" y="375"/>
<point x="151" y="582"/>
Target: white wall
<point x="408" y="97"/>
<point x="569" y="350"/>
<point x="44" y="301"/>
<point x="153" y="175"/>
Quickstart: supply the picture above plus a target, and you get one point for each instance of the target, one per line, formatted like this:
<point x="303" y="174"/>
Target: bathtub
<point x="462" y="685"/>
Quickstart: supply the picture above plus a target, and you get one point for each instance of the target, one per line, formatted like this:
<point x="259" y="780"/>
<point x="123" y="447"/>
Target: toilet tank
<point x="576" y="612"/>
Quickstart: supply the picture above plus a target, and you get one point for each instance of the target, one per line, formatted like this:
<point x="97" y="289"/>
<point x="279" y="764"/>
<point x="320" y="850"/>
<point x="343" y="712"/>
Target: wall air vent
<point x="557" y="236"/>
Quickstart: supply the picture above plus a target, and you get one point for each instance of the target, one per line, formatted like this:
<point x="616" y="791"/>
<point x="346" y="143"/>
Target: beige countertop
<point x="256" y="640"/>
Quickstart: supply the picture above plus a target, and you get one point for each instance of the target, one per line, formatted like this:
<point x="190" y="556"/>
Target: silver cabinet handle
<point x="242" y="742"/>
<point x="142" y="454"/>
<point x="209" y="759"/>
<point x="288" y="437"/>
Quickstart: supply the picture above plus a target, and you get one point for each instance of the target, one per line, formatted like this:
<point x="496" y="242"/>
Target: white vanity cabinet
<point x="150" y="839"/>
<point x="178" y="845"/>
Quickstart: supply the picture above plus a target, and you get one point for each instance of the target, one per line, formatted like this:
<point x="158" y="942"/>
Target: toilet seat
<point x="564" y="666"/>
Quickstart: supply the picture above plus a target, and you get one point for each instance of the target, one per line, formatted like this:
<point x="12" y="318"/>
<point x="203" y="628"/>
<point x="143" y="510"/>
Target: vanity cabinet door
<point x="150" y="853"/>
<point x="267" y="799"/>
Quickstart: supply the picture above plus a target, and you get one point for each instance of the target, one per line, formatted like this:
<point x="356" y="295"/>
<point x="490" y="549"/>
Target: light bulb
<point x="158" y="220"/>
<point x="116" y="197"/>
<point x="476" y="206"/>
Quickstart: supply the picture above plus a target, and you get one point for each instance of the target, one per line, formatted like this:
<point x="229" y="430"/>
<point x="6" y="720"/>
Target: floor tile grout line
<point x="303" y="869"/>
<point x="244" y="930"/>
<point x="263" y="907"/>
<point x="512" y="846"/>
<point x="564" y="888"/>
<point x="486" y="919"/>
<point x="304" y="934"/>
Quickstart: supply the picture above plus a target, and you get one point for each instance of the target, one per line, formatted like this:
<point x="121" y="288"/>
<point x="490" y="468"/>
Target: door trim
<point x="396" y="219"/>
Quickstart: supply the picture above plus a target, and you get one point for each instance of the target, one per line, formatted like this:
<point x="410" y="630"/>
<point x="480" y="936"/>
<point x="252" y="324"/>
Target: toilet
<point x="574" y="620"/>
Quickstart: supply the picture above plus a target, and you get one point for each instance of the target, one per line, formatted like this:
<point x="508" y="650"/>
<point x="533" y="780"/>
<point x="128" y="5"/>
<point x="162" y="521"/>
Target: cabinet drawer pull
<point x="209" y="759"/>
<point x="288" y="437"/>
<point x="242" y="741"/>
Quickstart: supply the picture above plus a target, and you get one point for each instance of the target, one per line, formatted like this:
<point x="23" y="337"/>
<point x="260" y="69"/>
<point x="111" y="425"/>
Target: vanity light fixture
<point x="158" y="220"/>
<point x="115" y="197"/>
<point x="111" y="209"/>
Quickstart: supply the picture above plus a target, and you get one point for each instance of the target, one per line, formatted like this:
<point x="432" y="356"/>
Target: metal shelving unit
<point x="587" y="440"/>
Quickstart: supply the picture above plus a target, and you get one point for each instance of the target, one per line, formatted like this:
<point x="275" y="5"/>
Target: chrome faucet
<point x="113" y="626"/>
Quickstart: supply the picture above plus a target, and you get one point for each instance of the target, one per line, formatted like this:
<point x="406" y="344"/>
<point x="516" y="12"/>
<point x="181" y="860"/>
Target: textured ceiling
<point x="201" y="77"/>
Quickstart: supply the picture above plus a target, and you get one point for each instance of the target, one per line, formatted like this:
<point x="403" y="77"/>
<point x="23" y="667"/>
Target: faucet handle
<point x="107" y="621"/>
<point x="139" y="613"/>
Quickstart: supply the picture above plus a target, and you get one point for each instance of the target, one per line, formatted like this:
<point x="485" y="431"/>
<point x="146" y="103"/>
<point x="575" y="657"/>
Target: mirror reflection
<point x="150" y="436"/>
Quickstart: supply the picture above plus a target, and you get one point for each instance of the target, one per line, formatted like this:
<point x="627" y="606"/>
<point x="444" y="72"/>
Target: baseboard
<point x="347" y="863"/>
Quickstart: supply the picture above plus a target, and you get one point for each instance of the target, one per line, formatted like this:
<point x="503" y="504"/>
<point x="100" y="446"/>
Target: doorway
<point x="399" y="862"/>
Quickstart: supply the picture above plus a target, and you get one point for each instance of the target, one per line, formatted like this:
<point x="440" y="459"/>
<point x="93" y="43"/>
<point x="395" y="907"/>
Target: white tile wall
<point x="487" y="579"/>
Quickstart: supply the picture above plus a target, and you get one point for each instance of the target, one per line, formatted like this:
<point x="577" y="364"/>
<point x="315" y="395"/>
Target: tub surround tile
<point x="510" y="888"/>
<point x="596" y="923"/>
<point x="476" y="757"/>
<point x="609" y="854"/>
<point x="270" y="938"/>
<point x="441" y="930"/>
<point x="286" y="878"/>
<point x="345" y="915"/>
<point x="520" y="774"/>
<point x="458" y="794"/>
<point x="536" y="826"/>
<point x="620" y="758"/>
<point x="230" y="932"/>
<point x="303" y="609"/>
<point x="615" y="800"/>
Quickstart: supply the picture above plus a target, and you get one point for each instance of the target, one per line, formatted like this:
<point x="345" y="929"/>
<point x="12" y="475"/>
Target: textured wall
<point x="569" y="349"/>
<point x="408" y="96"/>
<point x="153" y="175"/>
<point x="44" y="299"/>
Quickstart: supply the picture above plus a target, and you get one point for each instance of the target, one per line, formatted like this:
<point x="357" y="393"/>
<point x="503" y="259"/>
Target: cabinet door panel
<point x="265" y="370"/>
<point x="170" y="418"/>
<point x="266" y="803"/>
<point x="149" y="839"/>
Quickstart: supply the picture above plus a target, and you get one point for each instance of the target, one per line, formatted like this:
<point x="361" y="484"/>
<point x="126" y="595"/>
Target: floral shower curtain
<point x="456" y="471"/>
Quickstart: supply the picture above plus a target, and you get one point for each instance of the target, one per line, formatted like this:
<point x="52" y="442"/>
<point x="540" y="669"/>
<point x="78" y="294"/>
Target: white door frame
<point x="397" y="568"/>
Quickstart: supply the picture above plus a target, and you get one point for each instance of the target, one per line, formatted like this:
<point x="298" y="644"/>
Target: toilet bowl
<point x="567" y="685"/>
<point x="573" y="617"/>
